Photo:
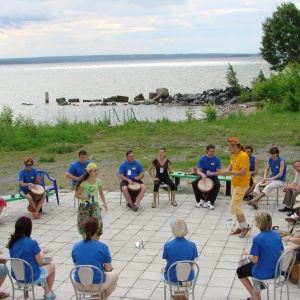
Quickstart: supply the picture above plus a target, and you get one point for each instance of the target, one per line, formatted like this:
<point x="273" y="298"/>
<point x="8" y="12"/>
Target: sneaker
<point x="209" y="205"/>
<point x="260" y="286"/>
<point x="250" y="197"/>
<point x="292" y="218"/>
<point x="286" y="208"/>
<point x="200" y="204"/>
<point x="53" y="295"/>
<point x="245" y="231"/>
<point x="253" y="204"/>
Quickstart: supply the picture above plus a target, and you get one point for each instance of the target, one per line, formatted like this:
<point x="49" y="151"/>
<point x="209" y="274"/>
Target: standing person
<point x="77" y="168"/>
<point x="90" y="251"/>
<point x="2" y="205"/>
<point x="209" y="166"/>
<point x="253" y="171"/>
<point x="265" y="251"/>
<point x="21" y="246"/>
<point x="131" y="171"/>
<point x="28" y="179"/>
<point x="178" y="249"/>
<point x="87" y="189"/>
<point x="239" y="170"/>
<point x="162" y="168"/>
<point x="278" y="172"/>
<point x="292" y="190"/>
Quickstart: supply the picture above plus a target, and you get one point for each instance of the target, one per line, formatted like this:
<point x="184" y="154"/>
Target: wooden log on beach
<point x="46" y="97"/>
<point x="122" y="99"/>
<point x="75" y="100"/>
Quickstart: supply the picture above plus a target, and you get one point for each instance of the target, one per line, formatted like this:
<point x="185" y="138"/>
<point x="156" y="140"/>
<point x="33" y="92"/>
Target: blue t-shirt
<point x="275" y="168"/>
<point x="177" y="250"/>
<point x="26" y="249"/>
<point x="252" y="164"/>
<point x="209" y="164"/>
<point x="267" y="245"/>
<point x="77" y="169"/>
<point x="91" y="252"/>
<point x="131" y="170"/>
<point x="27" y="177"/>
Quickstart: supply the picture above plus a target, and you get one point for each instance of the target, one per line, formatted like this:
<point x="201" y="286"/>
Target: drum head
<point x="38" y="190"/>
<point x="135" y="186"/>
<point x="264" y="184"/>
<point x="296" y="206"/>
<point x="205" y="185"/>
<point x="298" y="198"/>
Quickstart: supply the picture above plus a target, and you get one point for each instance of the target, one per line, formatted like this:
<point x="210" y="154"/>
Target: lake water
<point x="96" y="80"/>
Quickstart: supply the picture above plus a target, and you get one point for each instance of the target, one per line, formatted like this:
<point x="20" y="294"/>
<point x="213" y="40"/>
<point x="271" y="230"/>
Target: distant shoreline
<point x="104" y="58"/>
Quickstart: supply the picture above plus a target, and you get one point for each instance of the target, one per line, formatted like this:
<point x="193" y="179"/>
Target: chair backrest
<point x="18" y="267"/>
<point x="289" y="173"/>
<point x="284" y="267"/>
<point x="85" y="289"/>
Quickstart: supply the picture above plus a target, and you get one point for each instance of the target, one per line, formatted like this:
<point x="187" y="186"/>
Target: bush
<point x="46" y="159"/>
<point x="190" y="114"/>
<point x="210" y="112"/>
<point x="6" y="115"/>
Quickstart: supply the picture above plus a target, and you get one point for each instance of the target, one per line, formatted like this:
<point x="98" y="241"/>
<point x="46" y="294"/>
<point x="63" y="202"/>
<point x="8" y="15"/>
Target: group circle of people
<point x="243" y="168"/>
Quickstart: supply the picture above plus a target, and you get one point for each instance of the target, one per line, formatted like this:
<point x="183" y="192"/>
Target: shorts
<point x="245" y="270"/>
<point x="43" y="275"/>
<point x="23" y="193"/>
<point x="238" y="193"/>
<point x="2" y="270"/>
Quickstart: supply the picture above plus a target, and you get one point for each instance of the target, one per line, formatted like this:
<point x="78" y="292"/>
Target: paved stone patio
<point x="138" y="268"/>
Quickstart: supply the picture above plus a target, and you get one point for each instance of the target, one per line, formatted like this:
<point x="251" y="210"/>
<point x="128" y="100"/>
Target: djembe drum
<point x="205" y="186"/>
<point x="263" y="185"/>
<point x="298" y="198"/>
<point x="37" y="195"/>
<point x="134" y="190"/>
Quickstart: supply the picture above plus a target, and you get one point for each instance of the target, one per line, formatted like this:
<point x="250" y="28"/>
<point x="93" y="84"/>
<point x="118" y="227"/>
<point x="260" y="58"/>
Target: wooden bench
<point x="9" y="198"/>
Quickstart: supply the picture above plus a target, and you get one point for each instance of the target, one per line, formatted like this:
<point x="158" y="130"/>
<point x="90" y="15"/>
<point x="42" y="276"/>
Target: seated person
<point x="162" y="168"/>
<point x="265" y="251"/>
<point x="292" y="190"/>
<point x="209" y="166"/>
<point x="2" y="277"/>
<point x="131" y="171"/>
<point x="21" y="246"/>
<point x="178" y="249"/>
<point x="90" y="251"/>
<point x="2" y="205"/>
<point x="276" y="179"/>
<point x="28" y="179"/>
<point x="253" y="171"/>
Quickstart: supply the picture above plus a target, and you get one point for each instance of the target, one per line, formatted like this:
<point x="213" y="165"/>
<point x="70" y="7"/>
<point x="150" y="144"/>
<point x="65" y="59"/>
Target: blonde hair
<point x="264" y="219"/>
<point x="179" y="228"/>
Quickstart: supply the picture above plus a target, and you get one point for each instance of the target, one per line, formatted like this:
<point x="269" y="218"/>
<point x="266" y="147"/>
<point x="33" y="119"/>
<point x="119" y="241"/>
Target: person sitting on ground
<point x="77" y="168"/>
<point x="253" y="171"/>
<point x="277" y="166"/>
<point x="28" y="180"/>
<point x="265" y="251"/>
<point x="162" y="168"/>
<point x="209" y="166"/>
<point x="90" y="251"/>
<point x="21" y="246"/>
<point x="292" y="190"/>
<point x="2" y="205"/>
<point x="87" y="188"/>
<point x="131" y="171"/>
<point x="3" y="274"/>
<point x="178" y="249"/>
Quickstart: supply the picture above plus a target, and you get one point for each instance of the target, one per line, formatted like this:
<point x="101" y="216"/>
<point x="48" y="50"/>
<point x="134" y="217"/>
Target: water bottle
<point x="179" y="189"/>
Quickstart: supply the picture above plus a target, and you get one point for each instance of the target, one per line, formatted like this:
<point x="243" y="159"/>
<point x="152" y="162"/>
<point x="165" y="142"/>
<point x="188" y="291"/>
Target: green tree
<point x="281" y="37"/>
<point x="232" y="80"/>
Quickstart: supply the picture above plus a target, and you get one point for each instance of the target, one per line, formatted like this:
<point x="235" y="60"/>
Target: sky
<point x="37" y="28"/>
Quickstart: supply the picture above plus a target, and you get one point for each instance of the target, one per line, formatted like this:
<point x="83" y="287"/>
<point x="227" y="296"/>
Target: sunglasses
<point x="28" y="165"/>
<point x="96" y="170"/>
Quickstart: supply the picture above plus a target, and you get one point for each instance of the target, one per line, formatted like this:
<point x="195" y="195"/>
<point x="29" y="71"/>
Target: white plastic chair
<point x="185" y="287"/>
<point x="18" y="266"/>
<point x="282" y="268"/>
<point x="86" y="289"/>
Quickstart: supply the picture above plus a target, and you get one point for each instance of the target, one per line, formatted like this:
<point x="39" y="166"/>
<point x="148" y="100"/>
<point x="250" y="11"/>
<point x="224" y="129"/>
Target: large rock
<point x="121" y="99"/>
<point x="163" y="92"/>
<point x="75" y="100"/>
<point x="139" y="97"/>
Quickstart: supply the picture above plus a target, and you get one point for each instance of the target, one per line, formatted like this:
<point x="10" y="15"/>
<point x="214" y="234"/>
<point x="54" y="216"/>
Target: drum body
<point x="205" y="186"/>
<point x="37" y="195"/>
<point x="134" y="190"/>
<point x="296" y="207"/>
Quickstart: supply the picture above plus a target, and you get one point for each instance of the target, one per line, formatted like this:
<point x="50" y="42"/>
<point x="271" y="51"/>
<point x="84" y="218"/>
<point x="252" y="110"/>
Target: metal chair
<point x="162" y="186"/>
<point x="282" y="268"/>
<point x="120" y="187"/>
<point x="47" y="188"/>
<point x="86" y="289"/>
<point x="183" y="287"/>
<point x="17" y="267"/>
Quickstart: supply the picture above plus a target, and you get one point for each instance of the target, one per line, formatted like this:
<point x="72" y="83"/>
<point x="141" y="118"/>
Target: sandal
<point x="236" y="231"/>
<point x="4" y="295"/>
<point x="135" y="207"/>
<point x="36" y="216"/>
<point x="174" y="203"/>
<point x="153" y="205"/>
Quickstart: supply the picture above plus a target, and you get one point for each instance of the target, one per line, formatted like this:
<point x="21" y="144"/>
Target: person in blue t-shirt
<point x="90" y="251"/>
<point x="28" y="180"/>
<point x="266" y="249"/>
<point x="178" y="249"/>
<point x="209" y="166"/>
<point x="131" y="171"/>
<point x="21" y="246"/>
<point x="277" y="166"/>
<point x="77" y="168"/>
<point x="253" y="171"/>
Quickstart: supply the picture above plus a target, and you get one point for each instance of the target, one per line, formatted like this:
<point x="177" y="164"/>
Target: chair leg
<point x="121" y="197"/>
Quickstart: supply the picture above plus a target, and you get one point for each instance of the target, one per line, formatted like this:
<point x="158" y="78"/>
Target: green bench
<point x="9" y="198"/>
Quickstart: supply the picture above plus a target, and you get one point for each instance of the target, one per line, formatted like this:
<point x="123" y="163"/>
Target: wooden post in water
<point x="46" y="97"/>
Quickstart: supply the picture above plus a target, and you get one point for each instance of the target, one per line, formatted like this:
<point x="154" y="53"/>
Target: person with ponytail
<point x="90" y="251"/>
<point x="21" y="246"/>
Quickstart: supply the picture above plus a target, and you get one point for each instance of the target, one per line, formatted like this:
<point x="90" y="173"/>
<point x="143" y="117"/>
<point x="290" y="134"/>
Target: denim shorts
<point x="2" y="270"/>
<point x="43" y="275"/>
